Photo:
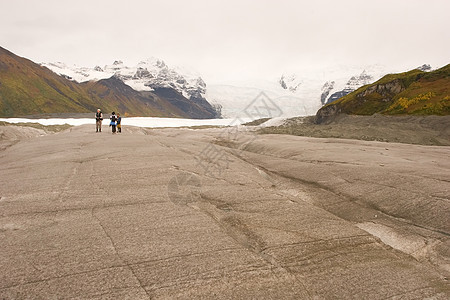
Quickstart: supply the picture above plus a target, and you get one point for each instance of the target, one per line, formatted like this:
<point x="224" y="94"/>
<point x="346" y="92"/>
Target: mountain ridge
<point x="147" y="75"/>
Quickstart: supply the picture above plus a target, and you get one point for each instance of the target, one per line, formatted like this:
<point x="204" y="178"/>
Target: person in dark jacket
<point x="119" y="125"/>
<point x="113" y="119"/>
<point x="98" y="121"/>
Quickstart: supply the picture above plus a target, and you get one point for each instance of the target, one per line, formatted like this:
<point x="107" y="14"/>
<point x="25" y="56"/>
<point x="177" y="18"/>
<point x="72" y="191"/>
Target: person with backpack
<point x="98" y="121"/>
<point x="119" y="126"/>
<point x="113" y="119"/>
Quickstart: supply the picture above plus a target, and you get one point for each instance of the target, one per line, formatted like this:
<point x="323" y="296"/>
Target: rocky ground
<point x="422" y="130"/>
<point x="218" y="213"/>
<point x="11" y="134"/>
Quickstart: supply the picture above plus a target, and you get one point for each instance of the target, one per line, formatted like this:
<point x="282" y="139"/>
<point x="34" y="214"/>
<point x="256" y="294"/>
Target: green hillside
<point x="26" y="88"/>
<point x="410" y="93"/>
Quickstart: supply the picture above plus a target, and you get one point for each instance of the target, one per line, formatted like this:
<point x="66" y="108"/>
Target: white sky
<point x="230" y="39"/>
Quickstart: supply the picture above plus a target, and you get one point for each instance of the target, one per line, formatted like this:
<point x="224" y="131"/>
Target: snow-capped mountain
<point x="183" y="89"/>
<point x="78" y="74"/>
<point x="147" y="75"/>
<point x="153" y="73"/>
<point x="332" y="91"/>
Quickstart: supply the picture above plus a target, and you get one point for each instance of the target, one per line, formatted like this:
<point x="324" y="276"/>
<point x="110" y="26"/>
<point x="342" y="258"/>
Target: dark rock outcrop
<point x="327" y="114"/>
<point x="337" y="95"/>
<point x="387" y="90"/>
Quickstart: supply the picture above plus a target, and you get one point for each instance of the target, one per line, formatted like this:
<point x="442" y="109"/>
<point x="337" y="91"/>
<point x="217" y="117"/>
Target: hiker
<point x="119" y="126"/>
<point x="98" y="121"/>
<point x="113" y="119"/>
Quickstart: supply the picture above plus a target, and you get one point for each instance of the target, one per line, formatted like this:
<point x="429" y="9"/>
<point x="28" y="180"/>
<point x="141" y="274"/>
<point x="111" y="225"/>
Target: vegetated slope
<point x="27" y="88"/>
<point x="414" y="93"/>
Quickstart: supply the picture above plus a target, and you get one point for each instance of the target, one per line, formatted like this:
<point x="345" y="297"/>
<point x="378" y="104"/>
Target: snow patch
<point x="135" y="121"/>
<point x="274" y="122"/>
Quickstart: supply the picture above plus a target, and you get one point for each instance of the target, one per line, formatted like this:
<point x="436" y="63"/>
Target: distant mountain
<point x="414" y="92"/>
<point x="425" y="68"/>
<point x="152" y="75"/>
<point x="290" y="82"/>
<point x="330" y="95"/>
<point x="27" y="88"/>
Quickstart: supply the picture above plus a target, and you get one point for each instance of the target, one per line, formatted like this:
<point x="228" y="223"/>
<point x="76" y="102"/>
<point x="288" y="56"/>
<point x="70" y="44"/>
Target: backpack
<point x="113" y="118"/>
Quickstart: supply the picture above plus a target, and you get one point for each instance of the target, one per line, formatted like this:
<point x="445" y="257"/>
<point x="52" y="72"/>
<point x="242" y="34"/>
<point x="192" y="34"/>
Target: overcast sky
<point x="232" y="38"/>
